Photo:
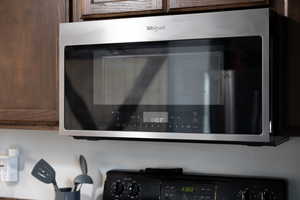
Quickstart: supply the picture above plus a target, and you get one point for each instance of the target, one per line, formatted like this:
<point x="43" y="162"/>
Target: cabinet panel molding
<point x="194" y="5"/>
<point x="119" y="6"/>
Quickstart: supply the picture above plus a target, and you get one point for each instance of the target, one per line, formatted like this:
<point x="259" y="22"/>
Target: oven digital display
<point x="188" y="189"/>
<point x="155" y="117"/>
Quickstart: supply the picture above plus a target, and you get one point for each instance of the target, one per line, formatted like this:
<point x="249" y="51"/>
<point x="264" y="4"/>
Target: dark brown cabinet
<point x="94" y="8"/>
<point x="29" y="63"/>
<point x="192" y="5"/>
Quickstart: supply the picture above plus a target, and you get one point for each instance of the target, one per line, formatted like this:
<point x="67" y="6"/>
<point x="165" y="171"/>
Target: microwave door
<point x="166" y="87"/>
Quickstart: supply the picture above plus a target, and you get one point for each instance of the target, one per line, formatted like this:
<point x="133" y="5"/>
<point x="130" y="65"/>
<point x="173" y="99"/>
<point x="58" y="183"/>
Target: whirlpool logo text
<point x="155" y="28"/>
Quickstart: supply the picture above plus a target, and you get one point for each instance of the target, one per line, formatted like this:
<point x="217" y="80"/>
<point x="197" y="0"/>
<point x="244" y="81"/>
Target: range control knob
<point x="117" y="188"/>
<point x="133" y="190"/>
<point x="266" y="195"/>
<point x="245" y="195"/>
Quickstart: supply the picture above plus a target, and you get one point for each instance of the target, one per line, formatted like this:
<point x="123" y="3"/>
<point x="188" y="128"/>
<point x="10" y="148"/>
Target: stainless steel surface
<point x="82" y="178"/>
<point x="254" y="22"/>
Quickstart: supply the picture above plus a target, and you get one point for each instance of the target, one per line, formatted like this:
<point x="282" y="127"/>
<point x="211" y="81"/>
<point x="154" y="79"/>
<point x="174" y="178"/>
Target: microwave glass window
<point x="173" y="77"/>
<point x="189" y="86"/>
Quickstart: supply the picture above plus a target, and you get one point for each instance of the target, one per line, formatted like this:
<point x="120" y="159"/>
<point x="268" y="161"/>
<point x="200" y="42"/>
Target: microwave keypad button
<point x="195" y="113"/>
<point x="115" y="115"/>
<point x="133" y="119"/>
<point x="195" y="120"/>
<point x="101" y="125"/>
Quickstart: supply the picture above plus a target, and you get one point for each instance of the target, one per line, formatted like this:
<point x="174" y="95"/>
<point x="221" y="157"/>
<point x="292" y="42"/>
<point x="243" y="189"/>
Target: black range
<point x="166" y="184"/>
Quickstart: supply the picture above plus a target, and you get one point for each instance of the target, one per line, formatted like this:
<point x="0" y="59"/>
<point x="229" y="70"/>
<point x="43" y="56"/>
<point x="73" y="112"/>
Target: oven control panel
<point x="157" y="184"/>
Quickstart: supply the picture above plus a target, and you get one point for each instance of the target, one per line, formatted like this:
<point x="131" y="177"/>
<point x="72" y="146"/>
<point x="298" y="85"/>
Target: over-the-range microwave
<point x="205" y="77"/>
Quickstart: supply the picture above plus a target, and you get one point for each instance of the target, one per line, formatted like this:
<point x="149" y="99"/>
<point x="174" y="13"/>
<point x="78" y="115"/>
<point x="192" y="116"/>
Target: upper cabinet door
<point x="29" y="63"/>
<point x="119" y="7"/>
<point x="190" y="5"/>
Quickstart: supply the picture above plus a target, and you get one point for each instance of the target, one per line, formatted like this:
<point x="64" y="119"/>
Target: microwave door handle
<point x="255" y="111"/>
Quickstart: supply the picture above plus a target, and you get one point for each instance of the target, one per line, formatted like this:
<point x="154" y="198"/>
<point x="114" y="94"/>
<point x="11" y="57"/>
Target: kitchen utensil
<point x="82" y="179"/>
<point x="83" y="164"/>
<point x="45" y="173"/>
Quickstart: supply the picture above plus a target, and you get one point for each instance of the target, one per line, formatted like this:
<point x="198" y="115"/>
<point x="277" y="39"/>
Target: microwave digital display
<point x="155" y="117"/>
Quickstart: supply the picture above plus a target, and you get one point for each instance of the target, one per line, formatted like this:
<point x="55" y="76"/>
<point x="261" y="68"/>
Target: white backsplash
<point x="63" y="152"/>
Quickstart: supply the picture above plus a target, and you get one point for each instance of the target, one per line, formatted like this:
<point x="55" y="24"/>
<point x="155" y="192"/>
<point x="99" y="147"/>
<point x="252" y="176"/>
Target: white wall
<point x="62" y="153"/>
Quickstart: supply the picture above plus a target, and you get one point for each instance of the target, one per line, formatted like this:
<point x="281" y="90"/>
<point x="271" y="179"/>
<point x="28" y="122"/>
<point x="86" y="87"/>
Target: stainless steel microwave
<point x="195" y="77"/>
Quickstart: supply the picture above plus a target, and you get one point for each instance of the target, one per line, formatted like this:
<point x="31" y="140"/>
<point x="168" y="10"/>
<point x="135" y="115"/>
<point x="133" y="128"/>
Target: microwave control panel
<point x="157" y="184"/>
<point x="175" y="121"/>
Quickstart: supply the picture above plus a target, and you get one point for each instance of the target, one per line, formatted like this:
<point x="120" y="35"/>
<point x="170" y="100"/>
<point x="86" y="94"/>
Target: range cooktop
<point x="173" y="184"/>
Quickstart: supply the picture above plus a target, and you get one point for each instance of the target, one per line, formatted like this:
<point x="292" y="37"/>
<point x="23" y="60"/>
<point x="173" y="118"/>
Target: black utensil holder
<point x="67" y="194"/>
